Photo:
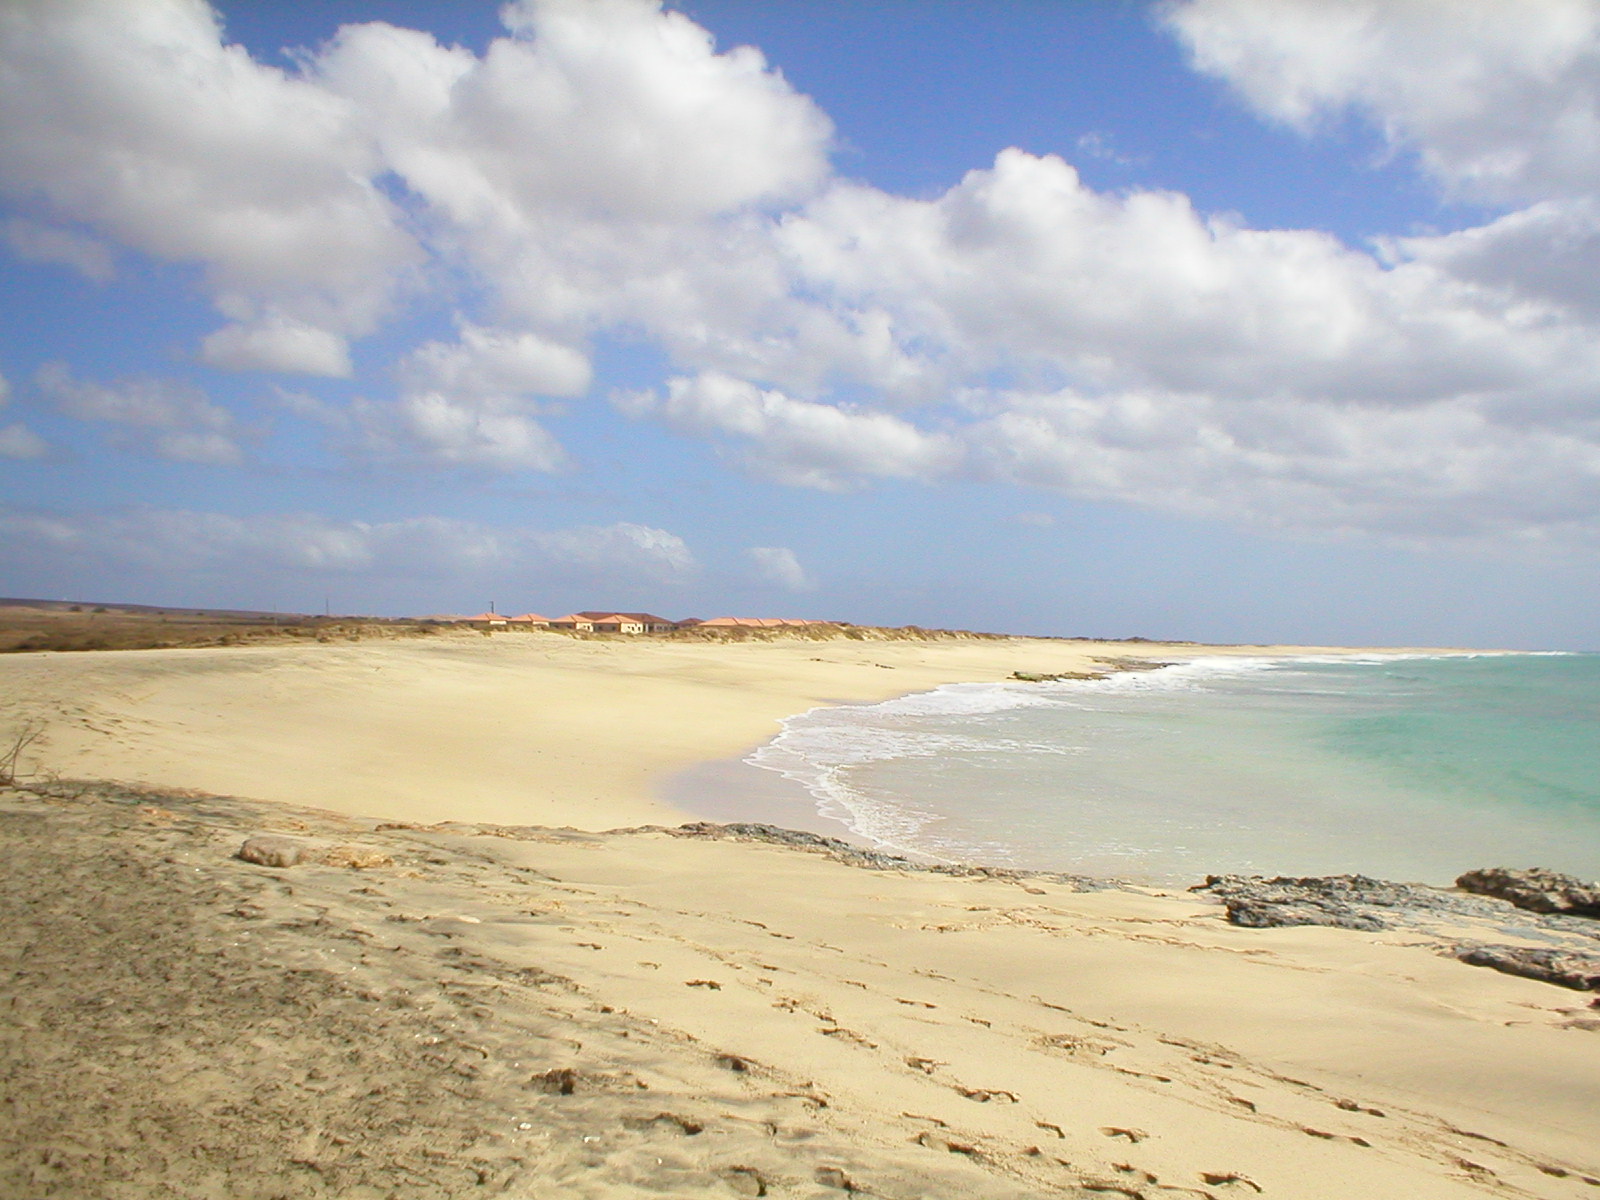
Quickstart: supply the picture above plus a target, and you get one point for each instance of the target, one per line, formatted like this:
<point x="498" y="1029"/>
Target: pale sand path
<point x="521" y="728"/>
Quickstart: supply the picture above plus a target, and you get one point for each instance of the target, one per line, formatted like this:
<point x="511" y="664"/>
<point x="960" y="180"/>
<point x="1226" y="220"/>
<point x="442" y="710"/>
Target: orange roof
<point x="761" y="622"/>
<point x="531" y="619"/>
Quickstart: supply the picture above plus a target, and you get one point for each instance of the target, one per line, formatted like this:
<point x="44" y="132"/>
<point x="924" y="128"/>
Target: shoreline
<point x="736" y="789"/>
<point x="519" y="728"/>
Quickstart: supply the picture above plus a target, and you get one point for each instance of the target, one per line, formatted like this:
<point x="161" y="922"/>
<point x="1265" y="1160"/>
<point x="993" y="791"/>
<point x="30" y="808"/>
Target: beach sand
<point x="492" y="1006"/>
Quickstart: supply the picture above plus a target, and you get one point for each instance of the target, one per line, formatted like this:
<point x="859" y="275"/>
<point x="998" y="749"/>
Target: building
<point x="754" y="622"/>
<point x="576" y="622"/>
<point x="631" y="622"/>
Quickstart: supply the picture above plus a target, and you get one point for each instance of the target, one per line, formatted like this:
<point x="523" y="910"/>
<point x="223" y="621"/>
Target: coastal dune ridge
<point x="477" y="954"/>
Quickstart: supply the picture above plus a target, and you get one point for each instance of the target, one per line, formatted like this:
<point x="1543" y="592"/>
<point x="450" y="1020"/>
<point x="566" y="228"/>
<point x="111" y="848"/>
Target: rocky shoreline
<point x="216" y="996"/>
<point x="1549" y="918"/>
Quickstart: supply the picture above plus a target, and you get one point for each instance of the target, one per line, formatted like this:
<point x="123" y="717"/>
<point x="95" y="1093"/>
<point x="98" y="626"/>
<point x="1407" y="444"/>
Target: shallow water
<point x="1402" y="767"/>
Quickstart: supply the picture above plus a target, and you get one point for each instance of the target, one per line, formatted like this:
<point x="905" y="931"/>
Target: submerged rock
<point x="1535" y="889"/>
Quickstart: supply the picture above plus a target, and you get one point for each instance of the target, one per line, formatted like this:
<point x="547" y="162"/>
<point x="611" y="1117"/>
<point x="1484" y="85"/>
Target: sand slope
<point x="562" y="1014"/>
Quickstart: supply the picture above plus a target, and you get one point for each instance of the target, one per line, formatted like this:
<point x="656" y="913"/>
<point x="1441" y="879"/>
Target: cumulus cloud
<point x="434" y="429"/>
<point x="590" y="105"/>
<point x="278" y="343"/>
<point x="797" y="441"/>
<point x="38" y="242"/>
<point x="173" y="541"/>
<point x="1499" y="100"/>
<point x="777" y="565"/>
<point x="1439" y="473"/>
<point x="473" y="402"/>
<point x="603" y="165"/>
<point x="1023" y="264"/>
<point x="137" y="121"/>
<point x="603" y="169"/>
<point x="492" y="362"/>
<point x="168" y="419"/>
<point x="18" y="441"/>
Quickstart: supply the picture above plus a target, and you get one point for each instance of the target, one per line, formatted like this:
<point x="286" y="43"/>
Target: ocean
<point x="1402" y="767"/>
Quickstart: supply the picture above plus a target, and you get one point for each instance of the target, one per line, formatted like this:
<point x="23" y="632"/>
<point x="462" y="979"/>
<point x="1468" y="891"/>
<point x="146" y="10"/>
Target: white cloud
<point x="798" y="441"/>
<point x="1443" y="472"/>
<point x="643" y="549"/>
<point x="278" y="343"/>
<point x="138" y="122"/>
<point x="1499" y="99"/>
<point x="438" y="430"/>
<point x="603" y="170"/>
<point x="599" y="107"/>
<point x="778" y="566"/>
<point x="601" y="166"/>
<point x="1546" y="254"/>
<point x="1024" y="266"/>
<point x="168" y="419"/>
<point x="38" y="242"/>
<point x="175" y="542"/>
<point x="497" y="363"/>
<point x="18" y="441"/>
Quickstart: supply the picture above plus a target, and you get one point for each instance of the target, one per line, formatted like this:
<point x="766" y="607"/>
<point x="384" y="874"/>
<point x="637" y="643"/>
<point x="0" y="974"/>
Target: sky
<point x="1223" y="320"/>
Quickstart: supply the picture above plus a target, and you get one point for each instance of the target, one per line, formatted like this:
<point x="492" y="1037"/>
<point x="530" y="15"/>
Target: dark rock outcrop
<point x="1535" y="889"/>
<point x="1342" y="901"/>
<point x="1550" y="965"/>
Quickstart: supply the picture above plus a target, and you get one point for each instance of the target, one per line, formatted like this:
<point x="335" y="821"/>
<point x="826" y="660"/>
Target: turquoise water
<point x="1402" y="767"/>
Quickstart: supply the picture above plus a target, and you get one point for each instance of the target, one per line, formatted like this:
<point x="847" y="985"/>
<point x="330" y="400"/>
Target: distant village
<point x="618" y="622"/>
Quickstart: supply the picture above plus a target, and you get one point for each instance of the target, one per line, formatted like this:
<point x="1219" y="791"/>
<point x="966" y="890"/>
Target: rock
<point x="747" y="1181"/>
<point x="1565" y="968"/>
<point x="270" y="851"/>
<point x="1335" y="900"/>
<point x="1272" y="914"/>
<point x="1057" y="676"/>
<point x="834" y="1177"/>
<point x="359" y="858"/>
<point x="1535" y="889"/>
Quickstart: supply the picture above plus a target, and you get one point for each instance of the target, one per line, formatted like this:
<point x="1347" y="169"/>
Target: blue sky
<point x="1218" y="319"/>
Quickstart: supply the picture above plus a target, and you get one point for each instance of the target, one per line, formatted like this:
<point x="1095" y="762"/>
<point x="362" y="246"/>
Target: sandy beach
<point x="497" y="967"/>
<point x="514" y="728"/>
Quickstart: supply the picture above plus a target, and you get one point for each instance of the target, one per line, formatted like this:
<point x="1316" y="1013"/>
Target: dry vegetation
<point x="63" y="625"/>
<point x="36" y="625"/>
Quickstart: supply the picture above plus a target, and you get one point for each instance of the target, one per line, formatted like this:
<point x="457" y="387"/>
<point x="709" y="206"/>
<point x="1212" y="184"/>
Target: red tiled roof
<point x="760" y="622"/>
